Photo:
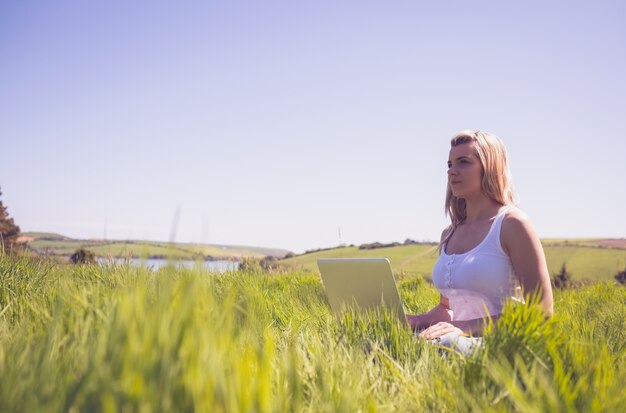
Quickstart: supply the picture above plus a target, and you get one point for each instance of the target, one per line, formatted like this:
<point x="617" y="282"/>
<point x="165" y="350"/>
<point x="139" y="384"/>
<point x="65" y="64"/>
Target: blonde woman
<point x="489" y="254"/>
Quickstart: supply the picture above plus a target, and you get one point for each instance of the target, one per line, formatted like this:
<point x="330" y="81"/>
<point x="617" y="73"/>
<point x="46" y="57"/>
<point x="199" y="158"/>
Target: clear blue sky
<point x="275" y="123"/>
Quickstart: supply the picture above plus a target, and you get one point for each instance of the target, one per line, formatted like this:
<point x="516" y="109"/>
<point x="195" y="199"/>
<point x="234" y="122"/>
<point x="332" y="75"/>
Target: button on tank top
<point x="477" y="283"/>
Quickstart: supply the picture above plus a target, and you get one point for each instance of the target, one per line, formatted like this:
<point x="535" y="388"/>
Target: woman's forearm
<point x="421" y="321"/>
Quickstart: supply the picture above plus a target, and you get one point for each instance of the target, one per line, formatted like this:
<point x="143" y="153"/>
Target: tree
<point x="8" y="230"/>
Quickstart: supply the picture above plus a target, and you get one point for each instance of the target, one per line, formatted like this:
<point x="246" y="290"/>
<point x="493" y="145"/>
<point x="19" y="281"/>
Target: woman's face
<point x="465" y="171"/>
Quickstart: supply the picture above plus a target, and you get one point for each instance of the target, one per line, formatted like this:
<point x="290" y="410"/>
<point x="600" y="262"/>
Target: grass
<point x="426" y="255"/>
<point x="583" y="262"/>
<point x="117" y="338"/>
<point x="587" y="263"/>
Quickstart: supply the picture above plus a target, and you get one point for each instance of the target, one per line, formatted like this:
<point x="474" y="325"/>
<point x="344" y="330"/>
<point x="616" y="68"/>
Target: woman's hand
<point x="440" y="329"/>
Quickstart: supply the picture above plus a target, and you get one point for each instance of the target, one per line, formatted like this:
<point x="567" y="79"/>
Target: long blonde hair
<point x="496" y="180"/>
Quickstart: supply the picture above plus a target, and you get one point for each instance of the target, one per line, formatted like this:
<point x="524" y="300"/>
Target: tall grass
<point x="119" y="338"/>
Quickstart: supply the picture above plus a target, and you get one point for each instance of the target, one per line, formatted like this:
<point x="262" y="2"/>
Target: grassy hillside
<point x="116" y="338"/>
<point x="60" y="245"/>
<point x="586" y="262"/>
<point x="584" y="258"/>
<point x="423" y="257"/>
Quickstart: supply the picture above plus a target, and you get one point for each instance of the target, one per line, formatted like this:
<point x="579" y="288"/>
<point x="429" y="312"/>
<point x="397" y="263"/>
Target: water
<point x="156" y="263"/>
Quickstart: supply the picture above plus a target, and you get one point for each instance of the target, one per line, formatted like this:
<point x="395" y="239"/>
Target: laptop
<point x="365" y="283"/>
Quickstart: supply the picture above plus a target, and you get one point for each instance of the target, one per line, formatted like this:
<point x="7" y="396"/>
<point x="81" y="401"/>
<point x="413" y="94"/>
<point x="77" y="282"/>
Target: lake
<point x="156" y="263"/>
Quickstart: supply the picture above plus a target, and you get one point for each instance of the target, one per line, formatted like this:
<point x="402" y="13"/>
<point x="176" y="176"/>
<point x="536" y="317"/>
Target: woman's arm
<point x="472" y="327"/>
<point x="441" y="312"/>
<point x="521" y="243"/>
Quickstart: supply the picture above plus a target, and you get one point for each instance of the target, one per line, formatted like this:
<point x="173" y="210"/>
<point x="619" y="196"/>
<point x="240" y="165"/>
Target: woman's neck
<point x="480" y="208"/>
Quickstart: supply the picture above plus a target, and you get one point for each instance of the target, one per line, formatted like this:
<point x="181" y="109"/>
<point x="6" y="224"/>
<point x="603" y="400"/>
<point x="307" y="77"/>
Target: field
<point x="588" y="259"/>
<point x="584" y="259"/>
<point x="56" y="244"/>
<point x="116" y="338"/>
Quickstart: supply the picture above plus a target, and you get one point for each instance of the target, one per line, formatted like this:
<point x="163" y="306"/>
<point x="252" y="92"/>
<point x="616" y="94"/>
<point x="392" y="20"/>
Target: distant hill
<point x="60" y="245"/>
<point x="618" y="243"/>
<point x="591" y="259"/>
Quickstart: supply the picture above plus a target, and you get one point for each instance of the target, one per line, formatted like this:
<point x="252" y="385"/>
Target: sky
<point x="303" y="125"/>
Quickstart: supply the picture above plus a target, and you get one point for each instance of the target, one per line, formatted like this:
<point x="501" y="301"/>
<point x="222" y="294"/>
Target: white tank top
<point x="478" y="282"/>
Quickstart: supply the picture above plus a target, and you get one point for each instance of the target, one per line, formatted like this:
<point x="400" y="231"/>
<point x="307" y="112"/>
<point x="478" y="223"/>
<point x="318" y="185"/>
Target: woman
<point x="490" y="252"/>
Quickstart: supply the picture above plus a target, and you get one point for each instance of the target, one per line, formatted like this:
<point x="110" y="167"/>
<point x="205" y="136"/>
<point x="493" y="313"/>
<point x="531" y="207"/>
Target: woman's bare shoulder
<point x="516" y="220"/>
<point x="517" y="230"/>
<point x="445" y="233"/>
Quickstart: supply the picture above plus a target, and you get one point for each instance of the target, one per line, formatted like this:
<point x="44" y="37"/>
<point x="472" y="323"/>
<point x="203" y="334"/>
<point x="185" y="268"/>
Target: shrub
<point x="83" y="256"/>
<point x="376" y="245"/>
<point x="267" y="264"/>
<point x="563" y="279"/>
